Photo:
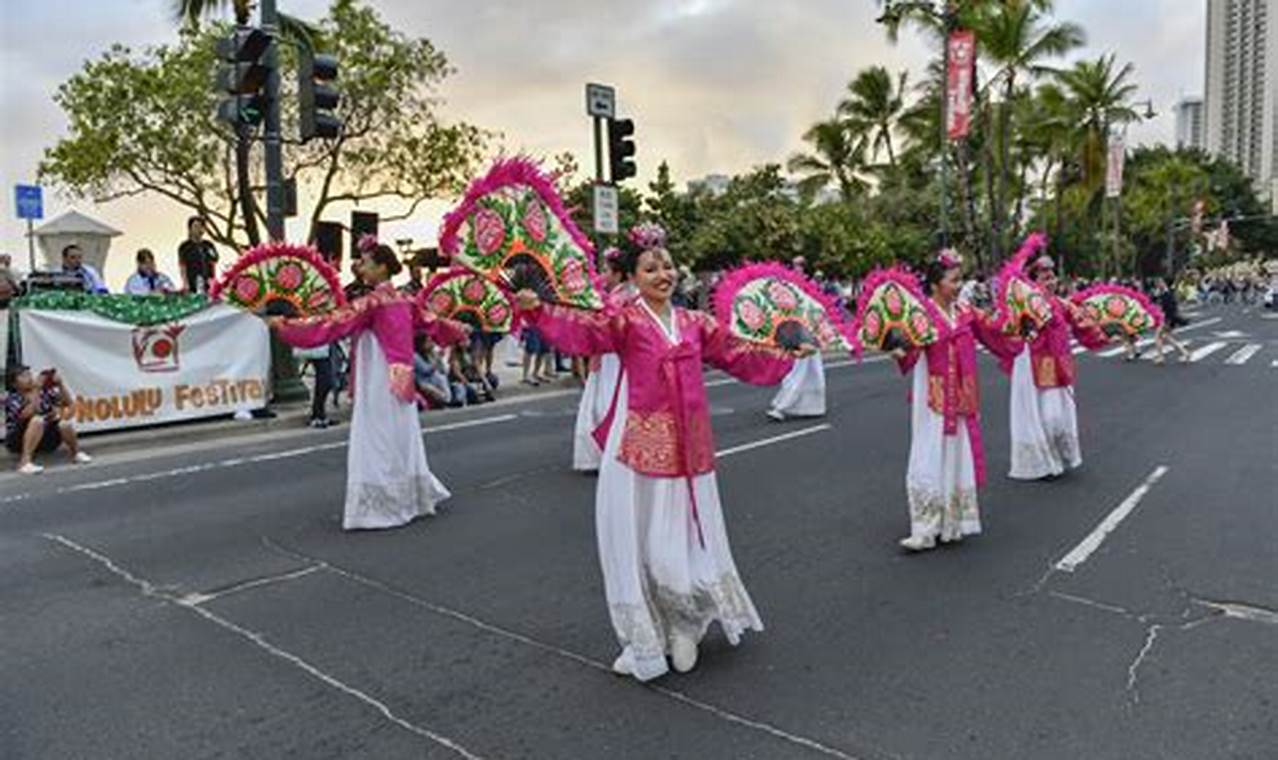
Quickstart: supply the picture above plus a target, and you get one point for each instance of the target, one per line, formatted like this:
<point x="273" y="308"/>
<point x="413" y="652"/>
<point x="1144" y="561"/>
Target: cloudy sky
<point x="713" y="85"/>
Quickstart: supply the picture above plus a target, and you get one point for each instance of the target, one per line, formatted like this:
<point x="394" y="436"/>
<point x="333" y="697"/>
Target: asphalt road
<point x="202" y="602"/>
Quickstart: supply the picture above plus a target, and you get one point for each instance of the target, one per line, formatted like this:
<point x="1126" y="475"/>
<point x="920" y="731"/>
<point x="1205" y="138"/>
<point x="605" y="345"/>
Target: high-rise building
<point x="1242" y="85"/>
<point x="1190" y="129"/>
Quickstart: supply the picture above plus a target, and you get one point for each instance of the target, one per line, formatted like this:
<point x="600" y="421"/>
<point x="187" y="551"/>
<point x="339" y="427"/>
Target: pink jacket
<point x="393" y="318"/>
<point x="1050" y="352"/>
<point x="954" y="387"/>
<point x="667" y="433"/>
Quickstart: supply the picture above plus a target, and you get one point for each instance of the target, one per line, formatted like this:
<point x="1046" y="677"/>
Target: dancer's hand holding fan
<point x="513" y="229"/>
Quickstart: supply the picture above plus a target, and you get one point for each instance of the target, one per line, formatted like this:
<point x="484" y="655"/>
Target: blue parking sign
<point x="30" y="201"/>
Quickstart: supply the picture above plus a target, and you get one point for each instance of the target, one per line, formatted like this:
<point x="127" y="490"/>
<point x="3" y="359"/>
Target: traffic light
<point x="621" y="149"/>
<point x="317" y="97"/>
<point x="242" y="76"/>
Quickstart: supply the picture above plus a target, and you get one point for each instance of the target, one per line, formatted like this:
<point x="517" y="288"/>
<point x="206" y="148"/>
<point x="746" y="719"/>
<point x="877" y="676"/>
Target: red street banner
<point x="958" y="111"/>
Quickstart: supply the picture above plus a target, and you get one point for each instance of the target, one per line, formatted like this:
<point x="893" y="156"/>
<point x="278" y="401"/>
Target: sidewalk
<point x="290" y="416"/>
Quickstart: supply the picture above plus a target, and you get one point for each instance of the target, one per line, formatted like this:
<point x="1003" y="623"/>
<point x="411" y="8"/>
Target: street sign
<point x="29" y="200"/>
<point x="601" y="101"/>
<point x="607" y="208"/>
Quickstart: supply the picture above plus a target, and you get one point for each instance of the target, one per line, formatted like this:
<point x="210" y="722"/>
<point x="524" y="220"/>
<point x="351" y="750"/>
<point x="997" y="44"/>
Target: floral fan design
<point x="462" y="295"/>
<point x="512" y="228"/>
<point x="777" y="306"/>
<point x="1020" y="301"/>
<point x="1118" y="310"/>
<point x="893" y="313"/>
<point x="281" y="279"/>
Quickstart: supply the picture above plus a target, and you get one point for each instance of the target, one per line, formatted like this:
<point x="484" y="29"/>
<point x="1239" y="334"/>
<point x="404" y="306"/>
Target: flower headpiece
<point x="366" y="243"/>
<point x="1042" y="262"/>
<point x="949" y="258"/>
<point x="647" y="236"/>
<point x="612" y="254"/>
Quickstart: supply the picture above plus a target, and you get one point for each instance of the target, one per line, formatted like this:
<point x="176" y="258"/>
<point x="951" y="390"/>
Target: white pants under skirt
<point x="658" y="579"/>
<point x="595" y="400"/>
<point x="1044" y="424"/>
<point x="388" y="482"/>
<point x="941" y="479"/>
<point x="802" y="392"/>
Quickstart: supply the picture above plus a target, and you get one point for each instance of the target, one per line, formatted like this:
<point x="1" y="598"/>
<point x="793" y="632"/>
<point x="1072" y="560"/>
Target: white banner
<point x="1114" y="167"/>
<point x="216" y="361"/>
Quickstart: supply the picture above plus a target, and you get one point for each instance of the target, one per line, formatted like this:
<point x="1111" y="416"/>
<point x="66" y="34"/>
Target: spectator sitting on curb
<point x="463" y="370"/>
<point x="432" y="377"/>
<point x="10" y="286"/>
<point x="38" y="418"/>
<point x="147" y="280"/>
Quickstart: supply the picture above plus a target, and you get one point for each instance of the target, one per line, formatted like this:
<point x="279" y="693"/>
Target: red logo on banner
<point x="155" y="349"/>
<point x="958" y="88"/>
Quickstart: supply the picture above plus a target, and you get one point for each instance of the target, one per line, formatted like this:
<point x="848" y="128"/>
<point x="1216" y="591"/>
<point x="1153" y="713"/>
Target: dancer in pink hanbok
<point x="667" y="567"/>
<point x="1044" y="418"/>
<point x="604" y="382"/>
<point x="388" y="480"/>
<point x="947" y="459"/>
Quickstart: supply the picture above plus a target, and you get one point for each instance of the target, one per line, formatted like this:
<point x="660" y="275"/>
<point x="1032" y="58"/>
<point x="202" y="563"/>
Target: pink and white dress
<point x="389" y="482"/>
<point x="667" y="566"/>
<point x="602" y="387"/>
<point x="1044" y="417"/>
<point x="947" y="458"/>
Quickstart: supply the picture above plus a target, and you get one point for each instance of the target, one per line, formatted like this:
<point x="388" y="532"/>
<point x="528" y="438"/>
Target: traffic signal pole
<point x="273" y="141"/>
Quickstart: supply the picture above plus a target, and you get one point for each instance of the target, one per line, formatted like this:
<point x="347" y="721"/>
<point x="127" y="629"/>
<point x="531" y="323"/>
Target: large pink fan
<point x="281" y="279"/>
<point x="778" y="306"/>
<point x="462" y="295"/>
<point x="1118" y="310"/>
<point x="1020" y="301"/>
<point x="512" y="228"/>
<point x="894" y="313"/>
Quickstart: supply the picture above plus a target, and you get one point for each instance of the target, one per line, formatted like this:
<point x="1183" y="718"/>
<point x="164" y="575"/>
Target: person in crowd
<point x="463" y="372"/>
<point x="73" y="264"/>
<point x="947" y="460"/>
<point x="432" y="376"/>
<point x="1165" y="297"/>
<point x="389" y="482"/>
<point x="197" y="258"/>
<point x="357" y="287"/>
<point x="538" y="358"/>
<point x="38" y="418"/>
<point x="148" y="280"/>
<point x="667" y="566"/>
<point x="321" y="360"/>
<point x="10" y="285"/>
<point x="415" y="282"/>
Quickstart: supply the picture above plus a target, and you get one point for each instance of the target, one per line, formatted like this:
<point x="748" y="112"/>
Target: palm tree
<point x="1017" y="39"/>
<point x="838" y="156"/>
<point x="1051" y="127"/>
<point x="875" y="104"/>
<point x="1100" y="95"/>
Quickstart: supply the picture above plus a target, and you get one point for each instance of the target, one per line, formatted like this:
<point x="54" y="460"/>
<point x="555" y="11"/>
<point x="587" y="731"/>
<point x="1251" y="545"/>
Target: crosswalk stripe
<point x="1242" y="355"/>
<point x="1206" y="351"/>
<point x="1122" y="349"/>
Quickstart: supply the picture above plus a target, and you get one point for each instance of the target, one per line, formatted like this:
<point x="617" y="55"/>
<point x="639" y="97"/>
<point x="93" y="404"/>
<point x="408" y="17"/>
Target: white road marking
<point x="1244" y="354"/>
<point x="1207" y="350"/>
<point x="239" y="461"/>
<point x="1079" y="554"/>
<point x="1196" y="325"/>
<point x="567" y="654"/>
<point x="774" y="439"/>
<point x="150" y="589"/>
<point x="1122" y="349"/>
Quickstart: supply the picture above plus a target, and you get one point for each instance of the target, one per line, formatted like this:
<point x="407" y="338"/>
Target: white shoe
<point x="621" y="665"/>
<point x="243" y="415"/>
<point x="919" y="543"/>
<point x="30" y="468"/>
<point x="776" y="414"/>
<point x="82" y="458"/>
<point x="683" y="653"/>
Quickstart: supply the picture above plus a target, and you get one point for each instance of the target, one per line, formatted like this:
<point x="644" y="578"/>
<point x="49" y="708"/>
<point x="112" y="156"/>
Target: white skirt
<point x="595" y="400"/>
<point x="802" y="392"/>
<point x="658" y="579"/>
<point x="388" y="482"/>
<point x="1044" y="424"/>
<point x="941" y="478"/>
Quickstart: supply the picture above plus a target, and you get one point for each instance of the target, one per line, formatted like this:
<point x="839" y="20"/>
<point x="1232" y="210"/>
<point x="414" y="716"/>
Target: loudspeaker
<point x="362" y="223"/>
<point x="328" y="239"/>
